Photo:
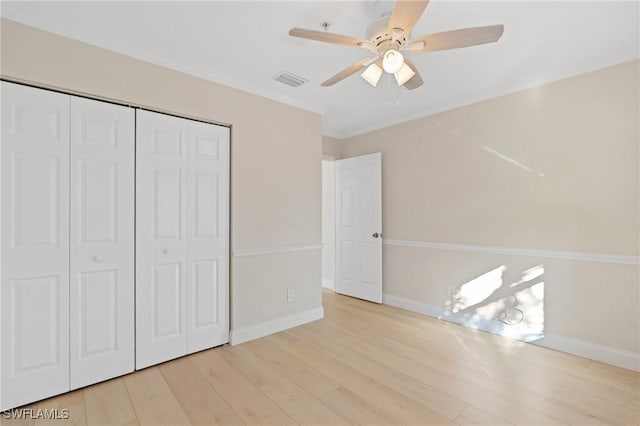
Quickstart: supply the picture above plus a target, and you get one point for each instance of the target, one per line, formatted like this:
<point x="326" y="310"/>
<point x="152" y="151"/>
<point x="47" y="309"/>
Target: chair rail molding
<point x="276" y="250"/>
<point x="511" y="251"/>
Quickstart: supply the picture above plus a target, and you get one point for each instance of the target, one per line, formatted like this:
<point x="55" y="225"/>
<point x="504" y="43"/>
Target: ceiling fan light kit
<point x="388" y="38"/>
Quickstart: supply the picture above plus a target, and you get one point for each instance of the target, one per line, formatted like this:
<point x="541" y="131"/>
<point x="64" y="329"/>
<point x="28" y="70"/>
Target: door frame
<point x="329" y="281"/>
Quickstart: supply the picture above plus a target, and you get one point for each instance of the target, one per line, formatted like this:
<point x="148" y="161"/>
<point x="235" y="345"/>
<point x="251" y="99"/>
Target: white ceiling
<point x="244" y="43"/>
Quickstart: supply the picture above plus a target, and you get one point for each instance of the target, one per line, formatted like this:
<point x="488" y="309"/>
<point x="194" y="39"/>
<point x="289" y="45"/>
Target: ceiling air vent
<point x="289" y="79"/>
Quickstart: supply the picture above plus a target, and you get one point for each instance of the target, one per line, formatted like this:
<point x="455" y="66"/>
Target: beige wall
<point x="550" y="168"/>
<point x="274" y="202"/>
<point x="332" y="147"/>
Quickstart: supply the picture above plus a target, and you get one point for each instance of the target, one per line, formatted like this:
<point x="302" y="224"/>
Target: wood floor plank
<point x="301" y="406"/>
<point x="605" y="402"/>
<point x="592" y="397"/>
<point x="509" y="368"/>
<point x="629" y="375"/>
<point x="71" y="401"/>
<point x="200" y="401"/>
<point x="440" y="332"/>
<point x="472" y="387"/>
<point x="310" y="380"/>
<point x="421" y="340"/>
<point x="248" y="402"/>
<point x="364" y="363"/>
<point x="292" y="399"/>
<point x="421" y="393"/>
<point x="486" y="346"/>
<point x="390" y="402"/>
<point x="282" y="338"/>
<point x="356" y="410"/>
<point x="16" y="418"/>
<point x="108" y="404"/>
<point x="463" y="391"/>
<point x="255" y="369"/>
<point x="153" y="400"/>
<point x="475" y="416"/>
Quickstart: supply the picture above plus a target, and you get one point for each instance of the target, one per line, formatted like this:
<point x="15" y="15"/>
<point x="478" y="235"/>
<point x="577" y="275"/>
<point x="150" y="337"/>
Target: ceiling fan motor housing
<point x="379" y="35"/>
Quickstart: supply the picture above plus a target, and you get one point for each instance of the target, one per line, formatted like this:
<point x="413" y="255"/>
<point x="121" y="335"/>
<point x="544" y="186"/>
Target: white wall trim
<point x="606" y="354"/>
<point x="245" y="334"/>
<point x="276" y="250"/>
<point x="412" y="305"/>
<point x="548" y="254"/>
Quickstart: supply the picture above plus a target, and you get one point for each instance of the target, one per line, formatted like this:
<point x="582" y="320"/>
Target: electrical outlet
<point x="289" y="295"/>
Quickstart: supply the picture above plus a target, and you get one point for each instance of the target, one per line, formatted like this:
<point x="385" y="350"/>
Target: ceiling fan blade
<point x="352" y="69"/>
<point x="332" y="38"/>
<point x="415" y="81"/>
<point x="405" y="15"/>
<point x="457" y="38"/>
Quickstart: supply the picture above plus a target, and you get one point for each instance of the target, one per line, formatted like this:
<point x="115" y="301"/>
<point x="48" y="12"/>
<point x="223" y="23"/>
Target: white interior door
<point x="102" y="241"/>
<point x="359" y="227"/>
<point x="161" y="238"/>
<point x="34" y="293"/>
<point x="208" y="236"/>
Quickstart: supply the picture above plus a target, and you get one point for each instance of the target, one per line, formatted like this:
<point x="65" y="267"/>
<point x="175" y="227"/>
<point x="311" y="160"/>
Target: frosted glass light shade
<point x="372" y="74"/>
<point x="392" y="61"/>
<point x="404" y="74"/>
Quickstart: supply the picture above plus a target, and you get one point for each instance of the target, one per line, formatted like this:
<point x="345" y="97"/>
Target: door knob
<point x="97" y="259"/>
<point x="376" y="235"/>
<point x="165" y="251"/>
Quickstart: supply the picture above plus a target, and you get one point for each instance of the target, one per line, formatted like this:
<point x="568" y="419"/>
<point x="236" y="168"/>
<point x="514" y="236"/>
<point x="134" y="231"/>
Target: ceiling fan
<point x="389" y="37"/>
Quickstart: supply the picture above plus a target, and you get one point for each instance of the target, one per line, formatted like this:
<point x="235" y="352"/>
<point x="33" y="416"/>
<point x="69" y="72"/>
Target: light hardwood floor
<point x="363" y="364"/>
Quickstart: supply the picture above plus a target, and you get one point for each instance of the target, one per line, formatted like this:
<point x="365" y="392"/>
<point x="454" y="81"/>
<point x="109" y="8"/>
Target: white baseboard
<point x="412" y="305"/>
<point x="330" y="284"/>
<point x="606" y="354"/>
<point x="594" y="351"/>
<point x="274" y="326"/>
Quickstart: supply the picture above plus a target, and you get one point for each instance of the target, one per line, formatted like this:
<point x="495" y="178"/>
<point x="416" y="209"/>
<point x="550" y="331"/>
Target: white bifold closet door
<point x="67" y="285"/>
<point x="34" y="292"/>
<point x="102" y="241"/>
<point x="182" y="237"/>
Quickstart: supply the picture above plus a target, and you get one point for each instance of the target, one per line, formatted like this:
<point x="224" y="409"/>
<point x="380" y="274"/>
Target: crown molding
<point x="30" y="17"/>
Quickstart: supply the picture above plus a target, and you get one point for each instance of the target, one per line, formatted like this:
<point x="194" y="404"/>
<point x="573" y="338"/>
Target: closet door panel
<point x="208" y="236"/>
<point x="34" y="287"/>
<point x="161" y="238"/>
<point x="102" y="241"/>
